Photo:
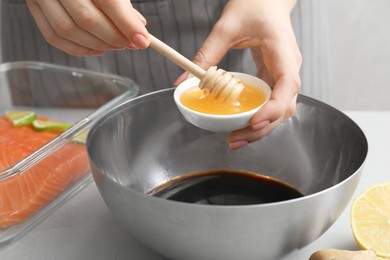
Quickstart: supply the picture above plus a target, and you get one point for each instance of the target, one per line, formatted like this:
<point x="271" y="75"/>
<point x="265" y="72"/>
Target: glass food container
<point x="64" y="94"/>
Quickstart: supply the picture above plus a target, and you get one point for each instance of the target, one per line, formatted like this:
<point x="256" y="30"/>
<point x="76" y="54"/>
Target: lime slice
<point x="20" y="118"/>
<point x="41" y="125"/>
<point x="80" y="137"/>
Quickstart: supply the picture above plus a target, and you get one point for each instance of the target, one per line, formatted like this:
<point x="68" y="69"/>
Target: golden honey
<point x="250" y="98"/>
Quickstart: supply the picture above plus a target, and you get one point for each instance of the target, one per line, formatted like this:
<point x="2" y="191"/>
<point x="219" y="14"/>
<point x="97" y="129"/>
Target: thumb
<point x="212" y="50"/>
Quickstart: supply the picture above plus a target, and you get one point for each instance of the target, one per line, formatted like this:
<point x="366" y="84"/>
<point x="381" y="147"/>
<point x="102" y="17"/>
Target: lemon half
<point x="370" y="219"/>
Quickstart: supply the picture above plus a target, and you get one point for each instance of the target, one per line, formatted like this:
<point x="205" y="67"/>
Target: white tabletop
<point x="84" y="228"/>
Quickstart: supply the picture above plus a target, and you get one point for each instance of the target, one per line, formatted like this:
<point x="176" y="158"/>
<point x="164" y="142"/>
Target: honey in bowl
<point x="225" y="188"/>
<point x="250" y="98"/>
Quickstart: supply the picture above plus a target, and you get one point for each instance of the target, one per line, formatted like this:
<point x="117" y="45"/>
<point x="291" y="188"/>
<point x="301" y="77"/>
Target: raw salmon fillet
<point x="25" y="193"/>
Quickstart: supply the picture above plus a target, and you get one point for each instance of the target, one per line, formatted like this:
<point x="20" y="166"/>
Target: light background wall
<point x="359" y="42"/>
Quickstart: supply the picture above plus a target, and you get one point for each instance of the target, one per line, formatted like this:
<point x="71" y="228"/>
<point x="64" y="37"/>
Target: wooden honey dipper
<point x="214" y="81"/>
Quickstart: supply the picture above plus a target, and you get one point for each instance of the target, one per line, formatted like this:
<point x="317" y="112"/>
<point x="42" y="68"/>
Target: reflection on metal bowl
<point x="145" y="142"/>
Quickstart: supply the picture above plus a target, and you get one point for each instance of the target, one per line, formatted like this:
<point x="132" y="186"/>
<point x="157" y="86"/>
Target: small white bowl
<point x="220" y="123"/>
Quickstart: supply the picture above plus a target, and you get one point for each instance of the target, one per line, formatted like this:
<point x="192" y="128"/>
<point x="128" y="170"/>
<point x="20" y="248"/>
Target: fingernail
<point x="95" y="53"/>
<point x="181" y="78"/>
<point x="237" y="144"/>
<point x="261" y="125"/>
<point x="140" y="41"/>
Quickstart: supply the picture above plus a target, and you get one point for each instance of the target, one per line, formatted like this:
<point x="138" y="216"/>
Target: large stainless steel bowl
<point x="145" y="142"/>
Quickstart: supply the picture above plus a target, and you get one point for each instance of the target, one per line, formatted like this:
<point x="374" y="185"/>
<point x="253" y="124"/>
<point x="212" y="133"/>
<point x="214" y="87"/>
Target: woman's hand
<point x="90" y="27"/>
<point x="85" y="27"/>
<point x="264" y="26"/>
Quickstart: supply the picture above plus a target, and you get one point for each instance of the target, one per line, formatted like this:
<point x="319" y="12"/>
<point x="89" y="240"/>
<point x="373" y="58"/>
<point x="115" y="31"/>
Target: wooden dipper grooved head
<point x="221" y="84"/>
<point x="216" y="82"/>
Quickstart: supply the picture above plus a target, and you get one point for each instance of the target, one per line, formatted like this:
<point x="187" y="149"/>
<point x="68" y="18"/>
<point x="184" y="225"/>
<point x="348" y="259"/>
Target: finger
<point x="283" y="94"/>
<point x="64" y="26"/>
<point x="240" y="138"/>
<point x="122" y="14"/>
<point x="237" y="144"/>
<point x="262" y="71"/>
<point x="88" y="17"/>
<point x="185" y="75"/>
<point x="52" y="38"/>
<point x="214" y="48"/>
<point x="284" y="64"/>
<point x="141" y="17"/>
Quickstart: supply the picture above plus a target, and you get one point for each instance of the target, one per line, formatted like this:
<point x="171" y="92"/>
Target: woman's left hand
<point x="264" y="26"/>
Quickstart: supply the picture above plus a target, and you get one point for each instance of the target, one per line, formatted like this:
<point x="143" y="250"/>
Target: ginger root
<point x="336" y="254"/>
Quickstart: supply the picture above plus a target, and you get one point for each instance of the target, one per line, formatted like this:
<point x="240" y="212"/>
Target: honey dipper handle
<point x="176" y="57"/>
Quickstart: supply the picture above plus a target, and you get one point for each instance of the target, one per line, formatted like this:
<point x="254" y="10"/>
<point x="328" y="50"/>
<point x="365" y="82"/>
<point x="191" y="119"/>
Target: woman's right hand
<point x="85" y="28"/>
<point x="265" y="27"/>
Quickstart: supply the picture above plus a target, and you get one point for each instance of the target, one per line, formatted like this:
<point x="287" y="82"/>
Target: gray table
<point x="84" y="228"/>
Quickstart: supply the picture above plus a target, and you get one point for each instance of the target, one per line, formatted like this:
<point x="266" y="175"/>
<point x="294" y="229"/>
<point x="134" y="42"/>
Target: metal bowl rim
<point x="144" y="97"/>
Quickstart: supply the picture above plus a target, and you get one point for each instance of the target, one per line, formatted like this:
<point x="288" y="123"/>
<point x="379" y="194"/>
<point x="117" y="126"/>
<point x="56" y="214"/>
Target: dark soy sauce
<point x="225" y="188"/>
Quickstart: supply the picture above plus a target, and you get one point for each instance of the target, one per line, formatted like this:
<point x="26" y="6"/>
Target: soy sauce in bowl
<point x="225" y="188"/>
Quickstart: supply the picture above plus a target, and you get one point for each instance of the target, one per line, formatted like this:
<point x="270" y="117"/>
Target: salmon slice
<point x="24" y="194"/>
